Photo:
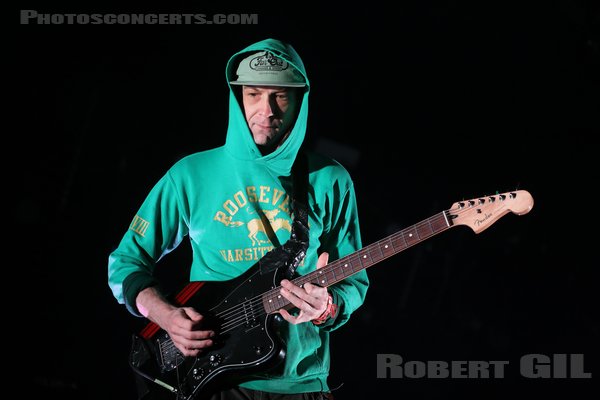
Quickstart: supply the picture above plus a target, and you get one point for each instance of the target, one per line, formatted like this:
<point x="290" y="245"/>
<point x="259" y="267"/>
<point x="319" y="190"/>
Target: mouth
<point x="267" y="127"/>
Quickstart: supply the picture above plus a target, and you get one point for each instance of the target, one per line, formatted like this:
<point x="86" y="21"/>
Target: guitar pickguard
<point x="246" y="341"/>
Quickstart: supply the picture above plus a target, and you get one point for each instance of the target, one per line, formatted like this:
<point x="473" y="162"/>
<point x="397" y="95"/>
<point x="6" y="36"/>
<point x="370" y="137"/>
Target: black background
<point x="426" y="103"/>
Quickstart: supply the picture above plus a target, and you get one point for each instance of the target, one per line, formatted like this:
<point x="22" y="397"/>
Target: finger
<point x="201" y="335"/>
<point x="186" y="318"/>
<point x="301" y="317"/>
<point x="318" y="292"/>
<point x="297" y="301"/>
<point x="190" y="347"/>
<point x="288" y="317"/>
<point x="190" y="334"/>
<point x="193" y="314"/>
<point x="196" y="344"/>
<point x="296" y="290"/>
<point x="313" y="295"/>
<point x="188" y="352"/>
<point x="184" y="324"/>
<point x="200" y="344"/>
<point x="323" y="259"/>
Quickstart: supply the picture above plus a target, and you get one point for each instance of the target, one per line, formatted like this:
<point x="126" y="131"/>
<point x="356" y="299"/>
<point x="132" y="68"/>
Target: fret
<point x="347" y="267"/>
<point x="430" y="226"/>
<point x="360" y="259"/>
<point x="275" y="301"/>
<point x="333" y="276"/>
<point x="374" y="254"/>
<point x="445" y="218"/>
<point x="403" y="238"/>
<point x="364" y="257"/>
<point x="392" y="245"/>
<point x="443" y="221"/>
<point x="386" y="248"/>
<point x="423" y="232"/>
<point x="322" y="279"/>
<point x="411" y="238"/>
<point x="344" y="271"/>
<point x="280" y="300"/>
<point x="380" y="250"/>
<point x="267" y="304"/>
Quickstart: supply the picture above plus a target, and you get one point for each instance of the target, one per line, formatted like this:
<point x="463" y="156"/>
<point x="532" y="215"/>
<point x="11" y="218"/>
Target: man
<point x="236" y="203"/>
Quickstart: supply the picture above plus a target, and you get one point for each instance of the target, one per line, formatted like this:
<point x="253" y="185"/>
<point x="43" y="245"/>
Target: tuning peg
<point x="512" y="195"/>
<point x="502" y="197"/>
<point x="481" y="201"/>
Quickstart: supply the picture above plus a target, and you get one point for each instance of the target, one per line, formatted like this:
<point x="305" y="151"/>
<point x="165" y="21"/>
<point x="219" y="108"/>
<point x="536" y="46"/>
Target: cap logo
<point x="268" y="62"/>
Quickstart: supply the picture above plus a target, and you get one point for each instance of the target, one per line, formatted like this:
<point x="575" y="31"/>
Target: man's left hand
<point x="310" y="299"/>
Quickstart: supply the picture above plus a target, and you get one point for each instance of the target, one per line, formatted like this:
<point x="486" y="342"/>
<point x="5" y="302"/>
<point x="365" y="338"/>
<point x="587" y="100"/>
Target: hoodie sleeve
<point x="342" y="239"/>
<point x="157" y="228"/>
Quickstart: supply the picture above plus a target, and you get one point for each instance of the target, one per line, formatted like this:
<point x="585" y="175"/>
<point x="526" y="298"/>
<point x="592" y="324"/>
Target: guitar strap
<point x="291" y="254"/>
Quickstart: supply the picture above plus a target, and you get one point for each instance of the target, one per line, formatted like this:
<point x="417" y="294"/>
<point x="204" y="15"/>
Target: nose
<point x="266" y="107"/>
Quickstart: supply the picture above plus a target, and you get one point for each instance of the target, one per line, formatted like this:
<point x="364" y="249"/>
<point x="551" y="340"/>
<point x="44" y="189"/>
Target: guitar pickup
<point x="248" y="313"/>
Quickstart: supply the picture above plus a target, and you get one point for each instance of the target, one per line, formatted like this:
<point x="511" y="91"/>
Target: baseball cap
<point x="266" y="69"/>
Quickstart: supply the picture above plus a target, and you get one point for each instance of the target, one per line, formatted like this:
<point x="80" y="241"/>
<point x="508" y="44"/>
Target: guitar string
<point x="235" y="315"/>
<point x="255" y="305"/>
<point x="238" y="314"/>
<point x="258" y="311"/>
<point x="251" y="303"/>
<point x="232" y="320"/>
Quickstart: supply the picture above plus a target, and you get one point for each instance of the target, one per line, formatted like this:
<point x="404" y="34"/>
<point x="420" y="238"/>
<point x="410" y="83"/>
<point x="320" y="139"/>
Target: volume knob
<point x="198" y="373"/>
<point x="215" y="359"/>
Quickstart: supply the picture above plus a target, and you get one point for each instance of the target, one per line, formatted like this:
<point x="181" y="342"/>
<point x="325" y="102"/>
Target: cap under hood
<point x="240" y="143"/>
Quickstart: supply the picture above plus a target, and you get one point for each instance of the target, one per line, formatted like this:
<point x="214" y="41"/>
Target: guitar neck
<point x="344" y="267"/>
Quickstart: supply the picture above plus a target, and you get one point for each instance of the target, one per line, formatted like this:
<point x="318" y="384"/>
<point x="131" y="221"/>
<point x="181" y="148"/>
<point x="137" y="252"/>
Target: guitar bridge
<point x="170" y="356"/>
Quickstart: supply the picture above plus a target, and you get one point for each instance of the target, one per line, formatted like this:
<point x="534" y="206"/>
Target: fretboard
<point x="367" y="256"/>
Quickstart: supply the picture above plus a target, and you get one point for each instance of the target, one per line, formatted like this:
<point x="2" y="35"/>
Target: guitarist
<point x="235" y="203"/>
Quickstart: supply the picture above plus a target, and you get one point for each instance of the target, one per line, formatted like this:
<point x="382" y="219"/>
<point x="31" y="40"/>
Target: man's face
<point x="270" y="112"/>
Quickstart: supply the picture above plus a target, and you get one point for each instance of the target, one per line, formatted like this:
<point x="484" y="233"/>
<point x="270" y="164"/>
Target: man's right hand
<point x="183" y="324"/>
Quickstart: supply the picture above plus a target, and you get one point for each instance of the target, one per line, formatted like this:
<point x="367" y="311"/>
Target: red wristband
<point x="330" y="311"/>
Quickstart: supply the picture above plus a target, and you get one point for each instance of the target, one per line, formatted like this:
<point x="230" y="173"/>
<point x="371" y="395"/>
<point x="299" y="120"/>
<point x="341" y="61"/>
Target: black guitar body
<point x="247" y="340"/>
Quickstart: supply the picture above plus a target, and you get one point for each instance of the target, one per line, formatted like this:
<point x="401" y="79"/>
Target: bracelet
<point x="330" y="311"/>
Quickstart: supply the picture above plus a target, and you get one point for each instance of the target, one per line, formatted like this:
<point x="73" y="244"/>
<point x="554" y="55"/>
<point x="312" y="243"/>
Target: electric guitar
<point x="243" y="311"/>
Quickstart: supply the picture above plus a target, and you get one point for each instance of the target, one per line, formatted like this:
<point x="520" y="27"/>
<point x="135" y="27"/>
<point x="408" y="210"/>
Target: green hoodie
<point x="216" y="198"/>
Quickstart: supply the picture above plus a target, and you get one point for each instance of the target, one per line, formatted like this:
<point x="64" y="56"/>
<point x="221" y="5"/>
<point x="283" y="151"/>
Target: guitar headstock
<point x="480" y="213"/>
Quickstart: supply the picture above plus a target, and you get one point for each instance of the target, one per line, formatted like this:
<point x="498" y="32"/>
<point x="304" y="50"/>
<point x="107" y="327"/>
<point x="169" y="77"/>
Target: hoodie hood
<point x="239" y="142"/>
